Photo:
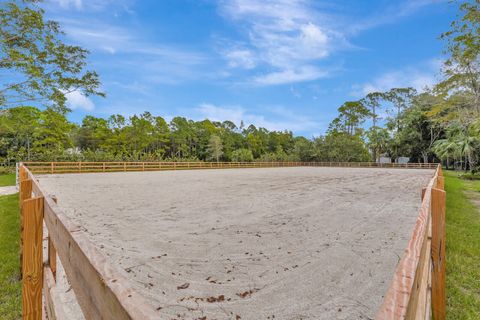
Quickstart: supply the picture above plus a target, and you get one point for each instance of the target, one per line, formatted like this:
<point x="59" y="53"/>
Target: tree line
<point x="439" y="123"/>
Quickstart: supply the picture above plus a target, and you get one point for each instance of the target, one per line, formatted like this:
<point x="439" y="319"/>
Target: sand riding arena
<point x="301" y="241"/>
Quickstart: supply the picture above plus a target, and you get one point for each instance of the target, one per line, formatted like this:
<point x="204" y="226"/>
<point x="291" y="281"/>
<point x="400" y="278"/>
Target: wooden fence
<point x="103" y="292"/>
<point x="84" y="167"/>
<point x="418" y="287"/>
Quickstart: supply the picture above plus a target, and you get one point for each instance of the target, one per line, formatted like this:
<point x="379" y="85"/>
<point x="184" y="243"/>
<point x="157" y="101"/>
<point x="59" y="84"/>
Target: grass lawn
<point x="462" y="248"/>
<point x="10" y="287"/>
<point x="7" y="180"/>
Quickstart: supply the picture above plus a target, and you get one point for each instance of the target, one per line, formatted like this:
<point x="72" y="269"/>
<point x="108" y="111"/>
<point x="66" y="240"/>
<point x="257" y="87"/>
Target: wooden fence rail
<point x="417" y="290"/>
<point x="103" y="292"/>
<point x="84" y="167"/>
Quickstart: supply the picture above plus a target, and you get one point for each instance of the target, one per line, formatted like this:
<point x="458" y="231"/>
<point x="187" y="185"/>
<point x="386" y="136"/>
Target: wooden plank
<point x="88" y="167"/>
<point x="25" y="191"/>
<point x="52" y="254"/>
<point x="440" y="183"/>
<point x="53" y="304"/>
<point x="438" y="254"/>
<point x="102" y="291"/>
<point x="32" y="263"/>
<point x="417" y="305"/>
<point x="397" y="298"/>
<point x="24" y="194"/>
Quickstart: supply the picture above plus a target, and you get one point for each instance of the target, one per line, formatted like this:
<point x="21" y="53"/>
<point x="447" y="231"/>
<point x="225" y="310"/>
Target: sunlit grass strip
<point x="463" y="250"/>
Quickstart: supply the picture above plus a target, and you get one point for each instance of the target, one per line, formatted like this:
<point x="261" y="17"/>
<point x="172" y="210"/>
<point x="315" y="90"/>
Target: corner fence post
<point x="438" y="254"/>
<point x="32" y="264"/>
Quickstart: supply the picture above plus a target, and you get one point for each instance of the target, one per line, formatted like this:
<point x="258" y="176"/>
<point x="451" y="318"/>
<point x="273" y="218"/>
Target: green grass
<point x="462" y="248"/>
<point x="7" y="180"/>
<point x="10" y="287"/>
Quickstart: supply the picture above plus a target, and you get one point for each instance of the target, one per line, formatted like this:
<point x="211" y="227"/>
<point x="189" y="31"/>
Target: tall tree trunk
<point x="425" y="156"/>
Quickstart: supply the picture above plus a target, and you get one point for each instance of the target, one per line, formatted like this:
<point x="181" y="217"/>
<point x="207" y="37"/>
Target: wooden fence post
<point x="438" y="254"/>
<point x="24" y="194"/>
<point x="32" y="264"/>
<point x="52" y="253"/>
<point x="440" y="182"/>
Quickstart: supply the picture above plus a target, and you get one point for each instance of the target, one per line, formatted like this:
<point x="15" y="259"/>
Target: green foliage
<point x="40" y="66"/>
<point x="215" y="148"/>
<point x="341" y="146"/>
<point x="242" y="155"/>
<point x="470" y="176"/>
<point x="10" y="287"/>
<point x="441" y="124"/>
<point x="352" y="114"/>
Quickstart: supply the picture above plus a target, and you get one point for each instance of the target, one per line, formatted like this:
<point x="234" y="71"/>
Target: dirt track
<point x="293" y="243"/>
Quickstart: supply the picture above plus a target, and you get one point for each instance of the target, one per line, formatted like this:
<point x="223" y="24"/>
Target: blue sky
<point x="285" y="64"/>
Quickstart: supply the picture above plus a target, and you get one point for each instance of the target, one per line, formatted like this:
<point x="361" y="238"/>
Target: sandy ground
<point x="278" y="243"/>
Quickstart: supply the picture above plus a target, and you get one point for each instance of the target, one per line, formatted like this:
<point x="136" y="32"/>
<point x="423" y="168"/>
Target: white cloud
<point x="304" y="73"/>
<point x="131" y="52"/>
<point x="291" y="37"/>
<point x="113" y="39"/>
<point x="281" y="118"/>
<point x="286" y="36"/>
<point x="394" y="12"/>
<point x="76" y="100"/>
<point x="66" y="4"/>
<point x="90" y="5"/>
<point x="416" y="77"/>
<point x="240" y="58"/>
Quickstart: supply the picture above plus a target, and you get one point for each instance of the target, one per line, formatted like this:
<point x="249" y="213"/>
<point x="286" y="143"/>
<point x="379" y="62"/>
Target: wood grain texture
<point x="438" y="254"/>
<point x="32" y="263"/>
<point x="419" y="297"/>
<point x="24" y="194"/>
<point x="53" y="305"/>
<point x="52" y="253"/>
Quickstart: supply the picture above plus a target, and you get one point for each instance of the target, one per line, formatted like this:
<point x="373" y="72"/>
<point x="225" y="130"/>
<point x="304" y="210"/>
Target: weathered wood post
<point x="32" y="264"/>
<point x="438" y="202"/>
<point x="25" y="193"/>
<point x="52" y="252"/>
